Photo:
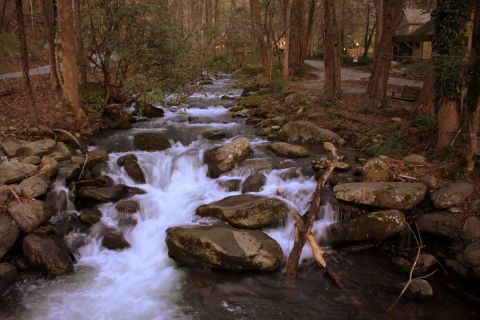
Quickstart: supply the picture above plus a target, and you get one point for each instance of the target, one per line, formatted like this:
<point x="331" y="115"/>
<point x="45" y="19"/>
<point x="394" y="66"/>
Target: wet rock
<point x="230" y="185"/>
<point x="90" y="216"/>
<point x="152" y="111"/>
<point x="224" y="158"/>
<point x="414" y="159"/>
<point x="429" y="181"/>
<point x="8" y="275"/>
<point x="37" y="148"/>
<point x="62" y="152"/>
<point x="104" y="181"/>
<point x="254" y="182"/>
<point x="214" y="135"/>
<point x="243" y="113"/>
<point x="288" y="150"/>
<point x="126" y="220"/>
<point x="425" y="263"/>
<point x="402" y="264"/>
<point x="35" y="160"/>
<point x="114" y="240"/>
<point x="441" y="224"/>
<point x="472" y="254"/>
<point x="128" y="206"/>
<point x="9" y="173"/>
<point x="246" y="211"/>
<point x="223" y="247"/>
<point x="457" y="268"/>
<point x="77" y="159"/>
<point x="30" y="214"/>
<point x="105" y="194"/>
<point x="34" y="186"/>
<point x="48" y="167"/>
<point x="96" y="157"/>
<point x="323" y="163"/>
<point x="8" y="233"/>
<point x="471" y="228"/>
<point x="47" y="254"/>
<point x="10" y="148"/>
<point x="70" y="172"/>
<point x="389" y="195"/>
<point x="134" y="171"/>
<point x="452" y="195"/>
<point x="251" y="165"/>
<point x="420" y="289"/>
<point x="150" y="141"/>
<point x="64" y="224"/>
<point x="375" y="226"/>
<point x="376" y="170"/>
<point x="305" y="131"/>
<point x="128" y="157"/>
<point x="341" y="177"/>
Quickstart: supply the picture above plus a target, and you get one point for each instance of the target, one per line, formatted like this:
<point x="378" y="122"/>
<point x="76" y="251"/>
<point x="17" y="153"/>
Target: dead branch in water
<point x="304" y="225"/>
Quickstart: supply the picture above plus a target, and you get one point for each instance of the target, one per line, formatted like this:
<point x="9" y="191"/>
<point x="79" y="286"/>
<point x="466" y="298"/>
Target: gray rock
<point x="375" y="226"/>
<point x="9" y="173"/>
<point x="224" y="158"/>
<point x="420" y="289"/>
<point x="230" y="185"/>
<point x="105" y="194"/>
<point x="452" y="195"/>
<point x="90" y="216"/>
<point x="35" y="160"/>
<point x="47" y="254"/>
<point x="149" y="141"/>
<point x="254" y="182"/>
<point x="10" y="148"/>
<point x="246" y="211"/>
<point x="35" y="186"/>
<point x="37" y="148"/>
<point x="96" y="157"/>
<point x="305" y="131"/>
<point x="471" y="228"/>
<point x="8" y="233"/>
<point x="30" y="214"/>
<point x="472" y="254"/>
<point x="128" y="206"/>
<point x="376" y="170"/>
<point x="214" y="135"/>
<point x="288" y="150"/>
<point x="389" y="195"/>
<point x="114" y="240"/>
<point x="223" y="247"/>
<point x="8" y="275"/>
<point x="442" y="224"/>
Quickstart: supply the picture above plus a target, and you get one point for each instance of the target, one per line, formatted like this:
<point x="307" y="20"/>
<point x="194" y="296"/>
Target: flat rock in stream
<point x="132" y="168"/>
<point x="29" y="214"/>
<point x="35" y="186"/>
<point x="287" y="150"/>
<point x="9" y="173"/>
<point x="388" y="195"/>
<point x="246" y="211"/>
<point x="150" y="141"/>
<point x="37" y="148"/>
<point x="440" y="224"/>
<point x="108" y="194"/>
<point x="224" y="158"/>
<point x="254" y="182"/>
<point x="224" y="248"/>
<point x="452" y="195"/>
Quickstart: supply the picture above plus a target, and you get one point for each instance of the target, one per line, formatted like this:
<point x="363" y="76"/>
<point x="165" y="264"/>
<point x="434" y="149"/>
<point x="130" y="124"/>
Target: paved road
<point x="33" y="72"/>
<point x="354" y="74"/>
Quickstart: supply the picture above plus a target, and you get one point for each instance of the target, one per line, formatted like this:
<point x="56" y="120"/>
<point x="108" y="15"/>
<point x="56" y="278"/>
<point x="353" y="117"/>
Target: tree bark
<point x="69" y="57"/>
<point x="379" y="8"/>
<point x="47" y="7"/>
<point x="286" y="47"/>
<point x="473" y="95"/>
<point x="378" y="82"/>
<point x="426" y="103"/>
<point x="296" y="51"/>
<point x="256" y="15"/>
<point x="310" y="21"/>
<point x="332" y="86"/>
<point x="24" y="59"/>
<point x="448" y="121"/>
<point x="2" y="17"/>
<point x="82" y="59"/>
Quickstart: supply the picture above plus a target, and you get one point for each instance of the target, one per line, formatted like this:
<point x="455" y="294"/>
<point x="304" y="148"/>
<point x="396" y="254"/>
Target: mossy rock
<point x="253" y="101"/>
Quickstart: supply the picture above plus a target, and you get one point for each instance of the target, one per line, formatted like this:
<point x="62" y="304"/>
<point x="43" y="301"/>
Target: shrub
<point x="424" y="124"/>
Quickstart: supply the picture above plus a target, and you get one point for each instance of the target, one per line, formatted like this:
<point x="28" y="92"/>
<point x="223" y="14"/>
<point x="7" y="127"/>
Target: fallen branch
<point x="74" y="139"/>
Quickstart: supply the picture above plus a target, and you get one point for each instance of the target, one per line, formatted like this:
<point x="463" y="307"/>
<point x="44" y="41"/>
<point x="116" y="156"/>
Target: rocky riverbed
<point x="187" y="215"/>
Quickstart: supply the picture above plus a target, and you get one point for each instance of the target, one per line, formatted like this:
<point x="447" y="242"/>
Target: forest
<point x="239" y="159"/>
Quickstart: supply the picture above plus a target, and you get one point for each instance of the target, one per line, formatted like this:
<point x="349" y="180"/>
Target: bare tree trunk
<point x="296" y="55"/>
<point x="426" y="103"/>
<point x="24" y="59"/>
<point x="255" y="11"/>
<point x="69" y="57"/>
<point x="2" y="17"/>
<point x="47" y="7"/>
<point x="448" y="121"/>
<point x="310" y="21"/>
<point x="368" y="37"/>
<point x="332" y="86"/>
<point x="473" y="95"/>
<point x="379" y="7"/>
<point x="82" y="59"/>
<point x="286" y="47"/>
<point x="378" y="82"/>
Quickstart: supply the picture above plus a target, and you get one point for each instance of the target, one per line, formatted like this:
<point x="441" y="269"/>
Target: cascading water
<point x="142" y="282"/>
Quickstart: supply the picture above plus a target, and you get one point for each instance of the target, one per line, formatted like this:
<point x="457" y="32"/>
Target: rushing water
<point x="142" y="282"/>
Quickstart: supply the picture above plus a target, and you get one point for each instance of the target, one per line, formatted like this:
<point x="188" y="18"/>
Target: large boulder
<point x="35" y="186"/>
<point x="8" y="275"/>
<point x="224" y="158"/>
<point x="134" y="171"/>
<point x="90" y="216"/>
<point x="114" y="239"/>
<point x="9" y="173"/>
<point x="8" y="233"/>
<point x="223" y="247"/>
<point x="441" y="224"/>
<point x="254" y="182"/>
<point x="246" y="211"/>
<point x="105" y="194"/>
<point x="30" y="214"/>
<point x="389" y="195"/>
<point x="375" y="226"/>
<point x="288" y="150"/>
<point x="10" y="148"/>
<point x="452" y="195"/>
<point x="95" y="157"/>
<point x="472" y="254"/>
<point x="149" y="141"/>
<point x="305" y="131"/>
<point x="47" y="254"/>
<point x="37" y="148"/>
<point x="376" y="170"/>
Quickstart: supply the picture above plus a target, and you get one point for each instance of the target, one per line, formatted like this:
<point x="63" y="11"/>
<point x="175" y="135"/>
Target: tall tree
<point x="425" y="102"/>
<point x="473" y="94"/>
<point x="368" y="36"/>
<point x="377" y="84"/>
<point x="47" y="8"/>
<point x="312" y="5"/>
<point x="449" y="47"/>
<point x="2" y="14"/>
<point x="69" y="57"/>
<point x="332" y="86"/>
<point x="24" y="58"/>
<point x="262" y="37"/>
<point x="82" y="59"/>
<point x="296" y="39"/>
<point x="286" y="46"/>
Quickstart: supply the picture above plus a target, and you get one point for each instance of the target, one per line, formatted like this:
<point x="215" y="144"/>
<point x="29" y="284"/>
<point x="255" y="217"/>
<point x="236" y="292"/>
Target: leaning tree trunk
<point x="296" y="43"/>
<point x="47" y="7"/>
<point x="256" y="15"/>
<point x="378" y="82"/>
<point x="473" y="95"/>
<point x="24" y="59"/>
<point x="69" y="58"/>
<point x="332" y="86"/>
